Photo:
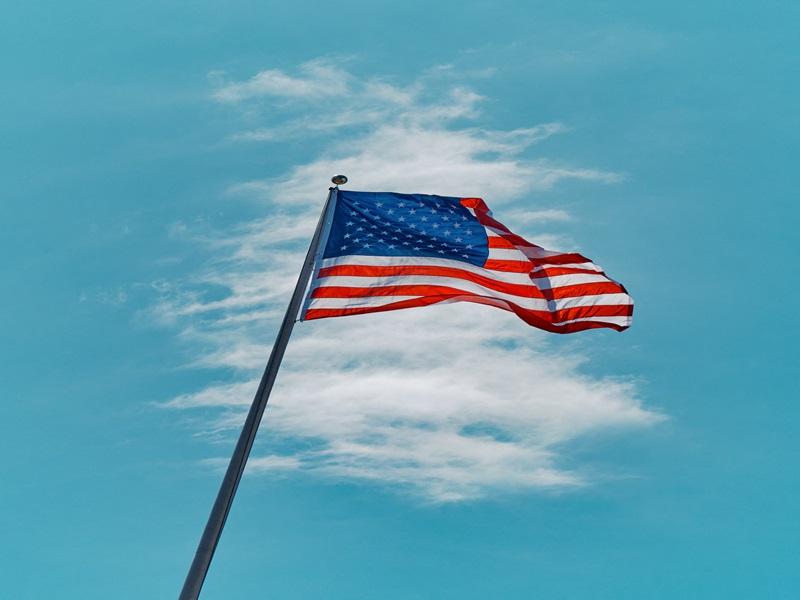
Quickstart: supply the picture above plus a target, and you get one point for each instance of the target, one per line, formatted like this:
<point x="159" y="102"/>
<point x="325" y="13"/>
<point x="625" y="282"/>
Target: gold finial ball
<point x="339" y="179"/>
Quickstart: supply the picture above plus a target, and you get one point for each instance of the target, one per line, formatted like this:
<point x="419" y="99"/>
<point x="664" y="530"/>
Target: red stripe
<point x="556" y="271"/>
<point x="508" y="266"/>
<point x="559" y="259"/>
<point x="518" y="289"/>
<point x="485" y="219"/>
<point x="503" y="231"/>
<point x="569" y="291"/>
<point x="541" y="319"/>
<point x="580" y="312"/>
<point x="518" y="241"/>
<point x="500" y="242"/>
<point x="584" y="289"/>
<point x="477" y="203"/>
<point x="508" y="239"/>
<point x="322" y="313"/>
<point x="523" y="291"/>
<point x="335" y="291"/>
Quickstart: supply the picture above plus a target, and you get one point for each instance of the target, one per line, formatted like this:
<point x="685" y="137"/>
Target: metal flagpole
<point x="222" y="505"/>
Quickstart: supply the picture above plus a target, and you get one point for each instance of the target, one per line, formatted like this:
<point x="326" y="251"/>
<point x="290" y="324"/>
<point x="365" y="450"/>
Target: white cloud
<point x="451" y="402"/>
<point x="410" y="158"/>
<point x="538" y="216"/>
<point x="317" y="78"/>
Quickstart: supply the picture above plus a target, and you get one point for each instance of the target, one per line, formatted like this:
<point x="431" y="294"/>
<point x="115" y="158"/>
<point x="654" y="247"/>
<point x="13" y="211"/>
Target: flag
<point x="386" y="251"/>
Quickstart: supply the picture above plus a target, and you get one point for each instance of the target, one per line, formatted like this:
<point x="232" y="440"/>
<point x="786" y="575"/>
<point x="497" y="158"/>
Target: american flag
<point x="387" y="251"/>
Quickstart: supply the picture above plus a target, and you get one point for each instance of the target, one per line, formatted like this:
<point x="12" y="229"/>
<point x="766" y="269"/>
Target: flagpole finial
<point x="338" y="179"/>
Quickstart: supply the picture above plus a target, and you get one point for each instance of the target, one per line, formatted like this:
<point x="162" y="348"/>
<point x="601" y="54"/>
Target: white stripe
<point x="378" y="301"/>
<point x="410" y="261"/>
<point x="474" y="288"/>
<point x="598" y="300"/>
<point x="357" y="302"/>
<point x="583" y="265"/>
<point x="623" y="321"/>
<point x="456" y="284"/>
<point x="530" y="250"/>
<point x="506" y="254"/>
<point x="557" y="281"/>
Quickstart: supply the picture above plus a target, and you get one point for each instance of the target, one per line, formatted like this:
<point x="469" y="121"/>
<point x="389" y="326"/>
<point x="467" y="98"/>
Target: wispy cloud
<point x="449" y="402"/>
<point x="316" y="78"/>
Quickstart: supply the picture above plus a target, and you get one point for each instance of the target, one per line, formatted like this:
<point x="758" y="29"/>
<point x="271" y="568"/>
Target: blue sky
<point x="162" y="166"/>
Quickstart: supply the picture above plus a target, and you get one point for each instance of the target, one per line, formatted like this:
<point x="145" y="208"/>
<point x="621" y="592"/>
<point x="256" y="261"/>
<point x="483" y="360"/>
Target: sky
<point x="163" y="164"/>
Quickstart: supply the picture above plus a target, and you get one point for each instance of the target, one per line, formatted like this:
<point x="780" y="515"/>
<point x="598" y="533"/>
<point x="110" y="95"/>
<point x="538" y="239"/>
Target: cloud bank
<point x="448" y="403"/>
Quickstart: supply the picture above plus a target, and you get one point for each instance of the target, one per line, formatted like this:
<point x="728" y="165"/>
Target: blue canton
<point x="415" y="225"/>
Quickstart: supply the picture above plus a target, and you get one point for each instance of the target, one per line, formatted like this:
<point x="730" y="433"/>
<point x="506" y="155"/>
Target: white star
<point x="458" y="239"/>
<point x="424" y="218"/>
<point x="357" y="240"/>
<point x="373" y="226"/>
<point x="343" y="248"/>
<point x="412" y="226"/>
<point x="390" y="211"/>
<point x="415" y="248"/>
<point x="456" y="224"/>
<point x="353" y="213"/>
<point x="436" y="226"/>
<point x="469" y="246"/>
<point x="465" y="255"/>
<point x="346" y="235"/>
<point x="366" y="245"/>
<point x="445" y="218"/>
<point x="448" y="232"/>
<point x="379" y="204"/>
<point x="413" y="211"/>
<point x="401" y="219"/>
<point x="402" y="204"/>
<point x="441" y="251"/>
<point x="392" y="246"/>
<point x="405" y="243"/>
<point x="394" y="237"/>
<point x="380" y="240"/>
<point x="370" y="234"/>
<point x="463" y="218"/>
<point x="360" y="229"/>
<point x="349" y="223"/>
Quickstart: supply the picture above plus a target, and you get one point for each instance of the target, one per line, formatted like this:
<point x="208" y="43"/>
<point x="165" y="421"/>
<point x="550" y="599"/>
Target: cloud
<point x="410" y="157"/>
<point x="317" y="78"/>
<point x="538" y="216"/>
<point x="411" y="138"/>
<point x="448" y="403"/>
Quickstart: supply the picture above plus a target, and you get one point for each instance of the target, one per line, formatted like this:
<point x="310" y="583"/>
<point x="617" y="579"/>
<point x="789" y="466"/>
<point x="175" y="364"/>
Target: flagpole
<point x="222" y="505"/>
